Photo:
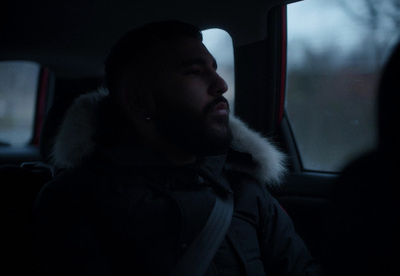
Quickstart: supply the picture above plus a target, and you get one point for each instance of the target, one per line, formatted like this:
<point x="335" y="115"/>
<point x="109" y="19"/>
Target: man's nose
<point x="219" y="85"/>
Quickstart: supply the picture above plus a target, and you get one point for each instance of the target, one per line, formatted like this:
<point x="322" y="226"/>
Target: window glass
<point x="219" y="43"/>
<point x="336" y="50"/>
<point x="18" y="86"/>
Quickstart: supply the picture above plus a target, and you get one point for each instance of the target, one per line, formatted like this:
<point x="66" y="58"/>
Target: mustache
<point x="215" y="102"/>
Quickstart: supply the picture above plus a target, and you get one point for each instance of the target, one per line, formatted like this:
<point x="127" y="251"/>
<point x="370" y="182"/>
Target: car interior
<point x="65" y="44"/>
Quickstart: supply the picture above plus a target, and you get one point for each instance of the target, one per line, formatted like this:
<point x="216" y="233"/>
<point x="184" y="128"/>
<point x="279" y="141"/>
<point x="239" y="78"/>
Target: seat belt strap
<point x="202" y="250"/>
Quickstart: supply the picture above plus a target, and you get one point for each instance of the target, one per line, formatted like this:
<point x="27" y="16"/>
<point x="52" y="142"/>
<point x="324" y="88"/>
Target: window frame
<point x="285" y="130"/>
<point x="30" y="151"/>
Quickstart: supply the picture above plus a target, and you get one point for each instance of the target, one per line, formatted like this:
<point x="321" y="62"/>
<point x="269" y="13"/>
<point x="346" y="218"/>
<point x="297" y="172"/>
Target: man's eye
<point x="193" y="71"/>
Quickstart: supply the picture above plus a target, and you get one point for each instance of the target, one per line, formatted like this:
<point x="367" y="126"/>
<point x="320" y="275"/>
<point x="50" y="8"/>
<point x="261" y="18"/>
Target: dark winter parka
<point x="119" y="209"/>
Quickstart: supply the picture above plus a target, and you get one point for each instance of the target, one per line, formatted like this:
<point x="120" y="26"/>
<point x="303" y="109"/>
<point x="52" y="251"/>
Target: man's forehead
<point x="199" y="61"/>
<point x="186" y="51"/>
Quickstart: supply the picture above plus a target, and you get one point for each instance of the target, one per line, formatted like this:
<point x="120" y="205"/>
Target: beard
<point x="200" y="134"/>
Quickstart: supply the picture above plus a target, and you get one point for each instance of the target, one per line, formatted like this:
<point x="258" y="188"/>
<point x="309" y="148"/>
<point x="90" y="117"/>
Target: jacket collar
<point x="206" y="171"/>
<point x="254" y="154"/>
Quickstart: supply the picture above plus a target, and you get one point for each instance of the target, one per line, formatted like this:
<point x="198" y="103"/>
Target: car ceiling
<point x="72" y="37"/>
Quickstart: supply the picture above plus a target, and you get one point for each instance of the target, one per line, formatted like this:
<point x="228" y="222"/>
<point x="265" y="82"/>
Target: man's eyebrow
<point x="198" y="61"/>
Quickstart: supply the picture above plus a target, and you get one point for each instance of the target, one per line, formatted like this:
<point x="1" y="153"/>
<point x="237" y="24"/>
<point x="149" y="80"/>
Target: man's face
<point x="190" y="109"/>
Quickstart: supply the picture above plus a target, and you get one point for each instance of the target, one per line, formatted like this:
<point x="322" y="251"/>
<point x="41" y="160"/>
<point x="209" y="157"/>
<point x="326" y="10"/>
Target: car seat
<point x="20" y="187"/>
<point x="362" y="236"/>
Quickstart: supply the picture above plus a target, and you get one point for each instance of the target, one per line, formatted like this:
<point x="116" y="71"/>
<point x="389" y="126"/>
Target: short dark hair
<point x="133" y="47"/>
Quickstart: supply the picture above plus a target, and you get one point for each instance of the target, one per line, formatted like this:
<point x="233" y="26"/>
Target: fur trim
<point x="270" y="163"/>
<point x="74" y="141"/>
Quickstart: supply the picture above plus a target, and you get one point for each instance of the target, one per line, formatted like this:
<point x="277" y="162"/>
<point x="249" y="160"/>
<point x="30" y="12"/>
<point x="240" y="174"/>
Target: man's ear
<point x="139" y="101"/>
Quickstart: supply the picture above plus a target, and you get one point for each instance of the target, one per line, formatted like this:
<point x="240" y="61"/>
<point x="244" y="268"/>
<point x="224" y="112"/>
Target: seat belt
<point x="202" y="250"/>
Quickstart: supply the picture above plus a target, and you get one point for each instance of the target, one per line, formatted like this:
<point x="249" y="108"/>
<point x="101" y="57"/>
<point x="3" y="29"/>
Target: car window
<point x="336" y="50"/>
<point x="220" y="45"/>
<point x="18" y="86"/>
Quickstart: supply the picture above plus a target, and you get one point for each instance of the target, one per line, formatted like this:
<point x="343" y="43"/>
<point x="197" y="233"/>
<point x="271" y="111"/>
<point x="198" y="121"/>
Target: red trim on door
<point x="282" y="89"/>
<point x="41" y="104"/>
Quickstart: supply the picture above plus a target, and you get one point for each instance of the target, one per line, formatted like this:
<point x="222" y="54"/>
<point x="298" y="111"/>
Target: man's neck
<point x="150" y="138"/>
<point x="177" y="156"/>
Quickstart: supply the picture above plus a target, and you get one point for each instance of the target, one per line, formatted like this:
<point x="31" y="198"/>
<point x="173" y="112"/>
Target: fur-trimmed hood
<point x="74" y="141"/>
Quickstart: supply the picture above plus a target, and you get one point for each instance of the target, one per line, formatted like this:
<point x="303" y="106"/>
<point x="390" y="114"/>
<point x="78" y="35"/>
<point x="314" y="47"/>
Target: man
<point x="146" y="164"/>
